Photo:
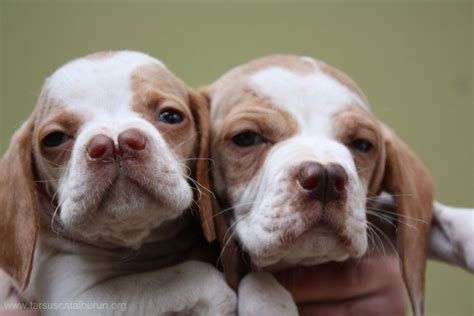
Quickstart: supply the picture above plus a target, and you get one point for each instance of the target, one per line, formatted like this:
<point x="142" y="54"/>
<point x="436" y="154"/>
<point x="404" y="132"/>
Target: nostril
<point x="131" y="140"/>
<point x="311" y="175"/>
<point x="308" y="182"/>
<point x="100" y="147"/>
<point x="339" y="184"/>
<point x="337" y="177"/>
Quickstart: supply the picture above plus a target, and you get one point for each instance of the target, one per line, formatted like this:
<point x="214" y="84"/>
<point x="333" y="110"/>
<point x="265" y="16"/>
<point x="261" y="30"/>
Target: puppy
<point x="299" y="161"/>
<point x="98" y="181"/>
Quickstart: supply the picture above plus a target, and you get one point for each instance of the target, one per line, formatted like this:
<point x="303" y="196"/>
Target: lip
<point x="317" y="230"/>
<point x="111" y="180"/>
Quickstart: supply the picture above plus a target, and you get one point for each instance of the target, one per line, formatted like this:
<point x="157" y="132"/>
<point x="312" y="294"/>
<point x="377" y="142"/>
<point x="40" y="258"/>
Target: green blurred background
<point x="414" y="60"/>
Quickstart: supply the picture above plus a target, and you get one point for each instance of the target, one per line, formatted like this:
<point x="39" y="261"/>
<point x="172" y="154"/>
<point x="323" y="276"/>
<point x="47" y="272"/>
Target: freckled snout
<point x="129" y="143"/>
<point x="323" y="183"/>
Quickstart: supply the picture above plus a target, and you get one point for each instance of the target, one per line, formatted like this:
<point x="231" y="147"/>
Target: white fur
<point x="95" y="278"/>
<point x="300" y="94"/>
<point x="261" y="294"/>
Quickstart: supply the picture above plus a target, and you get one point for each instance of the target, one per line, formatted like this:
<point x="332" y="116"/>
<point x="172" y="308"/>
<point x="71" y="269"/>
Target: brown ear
<point x="411" y="185"/>
<point x="204" y="198"/>
<point x="230" y="257"/>
<point x="233" y="266"/>
<point x="18" y="207"/>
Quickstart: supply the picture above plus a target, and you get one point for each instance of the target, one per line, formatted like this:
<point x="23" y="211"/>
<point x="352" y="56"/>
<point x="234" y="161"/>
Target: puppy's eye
<point x="361" y="145"/>
<point x="55" y="139"/>
<point x="170" y="117"/>
<point x="247" y="139"/>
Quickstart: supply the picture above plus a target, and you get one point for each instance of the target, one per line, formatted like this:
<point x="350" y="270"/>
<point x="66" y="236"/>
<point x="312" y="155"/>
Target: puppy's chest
<point x="65" y="268"/>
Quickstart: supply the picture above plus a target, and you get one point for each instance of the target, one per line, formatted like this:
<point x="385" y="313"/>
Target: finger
<point x="336" y="281"/>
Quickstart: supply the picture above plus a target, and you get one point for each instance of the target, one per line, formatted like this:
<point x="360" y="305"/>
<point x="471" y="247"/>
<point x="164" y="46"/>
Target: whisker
<point x="397" y="216"/>
<point x="387" y="239"/>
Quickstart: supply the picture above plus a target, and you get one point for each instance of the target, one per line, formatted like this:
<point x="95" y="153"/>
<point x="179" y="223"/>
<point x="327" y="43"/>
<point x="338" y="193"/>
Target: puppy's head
<point x="106" y="157"/>
<point x="299" y="156"/>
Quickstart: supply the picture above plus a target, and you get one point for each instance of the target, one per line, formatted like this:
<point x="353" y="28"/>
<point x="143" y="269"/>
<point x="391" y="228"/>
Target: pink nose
<point x="101" y="147"/>
<point x="131" y="141"/>
<point x="323" y="183"/>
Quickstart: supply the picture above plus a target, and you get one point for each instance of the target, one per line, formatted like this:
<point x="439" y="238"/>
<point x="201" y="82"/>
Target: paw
<point x="261" y="294"/>
<point x="452" y="236"/>
<point x="214" y="297"/>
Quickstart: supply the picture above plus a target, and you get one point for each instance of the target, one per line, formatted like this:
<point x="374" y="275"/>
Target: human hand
<point x="367" y="286"/>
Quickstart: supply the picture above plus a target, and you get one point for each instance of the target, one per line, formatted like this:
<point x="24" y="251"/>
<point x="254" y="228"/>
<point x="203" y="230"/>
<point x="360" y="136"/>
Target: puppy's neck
<point x="166" y="245"/>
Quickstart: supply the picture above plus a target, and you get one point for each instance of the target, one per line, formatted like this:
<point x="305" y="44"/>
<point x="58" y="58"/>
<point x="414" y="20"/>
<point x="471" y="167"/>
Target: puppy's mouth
<point x="319" y="240"/>
<point x="124" y="189"/>
<point x="123" y="192"/>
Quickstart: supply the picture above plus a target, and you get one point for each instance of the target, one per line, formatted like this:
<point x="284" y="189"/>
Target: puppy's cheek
<point x="184" y="196"/>
<point x="356" y="221"/>
<point x="357" y="232"/>
<point x="256" y="242"/>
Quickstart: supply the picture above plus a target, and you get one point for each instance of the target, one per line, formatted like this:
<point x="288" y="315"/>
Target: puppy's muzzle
<point x="129" y="143"/>
<point x="323" y="183"/>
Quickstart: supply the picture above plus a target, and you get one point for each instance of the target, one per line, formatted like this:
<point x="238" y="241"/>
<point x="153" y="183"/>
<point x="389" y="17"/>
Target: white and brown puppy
<point x="98" y="181"/>
<point x="299" y="160"/>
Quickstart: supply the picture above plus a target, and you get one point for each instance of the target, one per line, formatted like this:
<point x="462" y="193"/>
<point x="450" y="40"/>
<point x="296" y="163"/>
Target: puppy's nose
<point x="101" y="147"/>
<point x="131" y="141"/>
<point x="323" y="183"/>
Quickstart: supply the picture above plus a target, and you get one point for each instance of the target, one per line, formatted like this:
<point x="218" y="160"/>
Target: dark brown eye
<point x="361" y="145"/>
<point x="247" y="139"/>
<point x="170" y="117"/>
<point x="55" y="139"/>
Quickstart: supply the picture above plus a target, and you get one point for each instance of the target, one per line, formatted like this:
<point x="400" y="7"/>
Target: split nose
<point x="129" y="143"/>
<point x="323" y="183"/>
<point x="101" y="147"/>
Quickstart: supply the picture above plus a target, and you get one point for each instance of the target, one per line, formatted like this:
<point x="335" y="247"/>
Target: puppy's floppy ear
<point x="405" y="177"/>
<point x="200" y="109"/>
<point x="231" y="256"/>
<point x="18" y="207"/>
<point x="232" y="264"/>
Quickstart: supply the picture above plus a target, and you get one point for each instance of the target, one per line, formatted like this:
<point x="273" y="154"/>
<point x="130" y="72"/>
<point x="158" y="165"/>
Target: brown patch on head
<point x="356" y="123"/>
<point x="156" y="89"/>
<point x="101" y="55"/>
<point x="48" y="117"/>
<point x="51" y="162"/>
<point x="238" y="165"/>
